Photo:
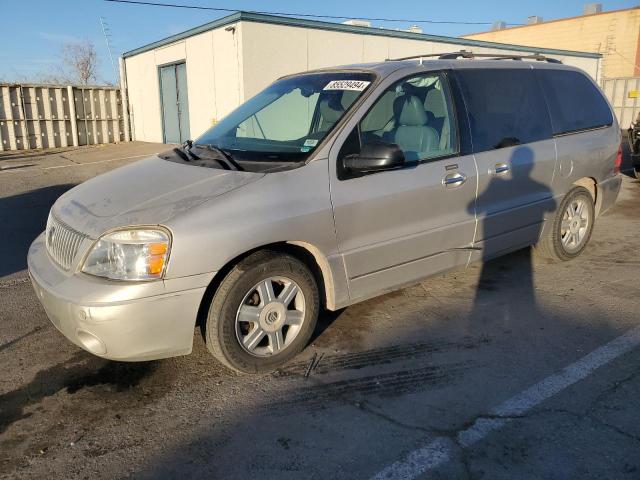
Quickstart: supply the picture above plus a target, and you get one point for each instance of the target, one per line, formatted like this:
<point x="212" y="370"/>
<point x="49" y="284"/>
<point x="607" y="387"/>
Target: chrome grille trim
<point x="62" y="242"/>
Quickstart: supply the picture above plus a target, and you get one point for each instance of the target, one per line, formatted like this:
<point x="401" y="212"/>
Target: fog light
<point x="91" y="343"/>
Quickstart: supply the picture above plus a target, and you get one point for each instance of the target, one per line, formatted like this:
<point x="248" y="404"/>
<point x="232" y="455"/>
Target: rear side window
<point x="574" y="101"/>
<point x="505" y="107"/>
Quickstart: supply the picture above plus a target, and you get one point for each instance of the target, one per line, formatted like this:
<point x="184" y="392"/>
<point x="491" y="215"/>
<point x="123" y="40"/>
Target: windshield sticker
<point x="355" y="85"/>
<point x="310" y="142"/>
<point x="305" y="149"/>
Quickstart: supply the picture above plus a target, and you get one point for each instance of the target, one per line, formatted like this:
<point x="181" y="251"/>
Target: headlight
<point x="137" y="254"/>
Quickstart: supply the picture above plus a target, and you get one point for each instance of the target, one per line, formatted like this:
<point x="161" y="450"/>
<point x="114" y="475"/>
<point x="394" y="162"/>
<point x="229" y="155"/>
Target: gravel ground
<point x="393" y="374"/>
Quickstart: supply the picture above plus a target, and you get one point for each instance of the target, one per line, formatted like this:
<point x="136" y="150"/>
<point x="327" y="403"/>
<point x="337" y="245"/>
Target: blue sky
<point x="34" y="30"/>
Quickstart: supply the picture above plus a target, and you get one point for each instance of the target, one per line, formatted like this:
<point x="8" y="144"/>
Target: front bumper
<point x="118" y="320"/>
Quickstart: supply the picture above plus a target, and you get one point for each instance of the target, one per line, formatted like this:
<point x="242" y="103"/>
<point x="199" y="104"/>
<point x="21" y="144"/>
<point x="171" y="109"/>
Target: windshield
<point x="289" y="119"/>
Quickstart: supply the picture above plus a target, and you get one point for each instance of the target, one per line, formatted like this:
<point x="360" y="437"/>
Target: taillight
<point x="618" y="164"/>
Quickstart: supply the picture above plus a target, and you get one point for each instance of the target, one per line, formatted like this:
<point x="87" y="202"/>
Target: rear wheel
<point x="568" y="234"/>
<point x="263" y="313"/>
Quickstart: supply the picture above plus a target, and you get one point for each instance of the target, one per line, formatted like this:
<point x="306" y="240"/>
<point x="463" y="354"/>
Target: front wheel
<point x="263" y="313"/>
<point x="570" y="231"/>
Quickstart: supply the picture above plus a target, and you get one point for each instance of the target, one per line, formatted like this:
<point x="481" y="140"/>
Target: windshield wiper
<point x="186" y="147"/>
<point x="185" y="153"/>
<point x="222" y="156"/>
<point x="181" y="153"/>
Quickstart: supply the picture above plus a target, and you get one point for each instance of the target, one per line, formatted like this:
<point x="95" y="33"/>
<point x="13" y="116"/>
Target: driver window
<point x="417" y="115"/>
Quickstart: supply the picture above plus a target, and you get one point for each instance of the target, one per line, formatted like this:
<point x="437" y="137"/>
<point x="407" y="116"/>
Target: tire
<point x="244" y="294"/>
<point x="555" y="244"/>
<point x="637" y="172"/>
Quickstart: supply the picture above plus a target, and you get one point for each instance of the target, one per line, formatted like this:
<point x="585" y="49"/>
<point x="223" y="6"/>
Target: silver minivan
<point x="327" y="188"/>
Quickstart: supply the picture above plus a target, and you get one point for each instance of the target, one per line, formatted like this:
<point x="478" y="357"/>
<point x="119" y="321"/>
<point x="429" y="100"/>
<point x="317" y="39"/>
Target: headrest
<point x="409" y="111"/>
<point x="331" y="110"/>
<point x="434" y="103"/>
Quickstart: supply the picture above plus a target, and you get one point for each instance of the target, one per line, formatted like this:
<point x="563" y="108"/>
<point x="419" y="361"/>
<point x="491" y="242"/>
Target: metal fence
<point x="623" y="93"/>
<point x="48" y="116"/>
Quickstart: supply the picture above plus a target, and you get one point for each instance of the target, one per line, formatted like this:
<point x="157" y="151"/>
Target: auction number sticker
<point x="354" y="85"/>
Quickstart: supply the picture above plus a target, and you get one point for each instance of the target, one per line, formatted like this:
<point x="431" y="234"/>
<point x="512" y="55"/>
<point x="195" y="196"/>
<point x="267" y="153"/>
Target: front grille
<point x="62" y="242"/>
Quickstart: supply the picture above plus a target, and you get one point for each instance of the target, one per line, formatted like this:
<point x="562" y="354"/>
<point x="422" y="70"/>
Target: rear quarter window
<point x="505" y="107"/>
<point x="575" y="103"/>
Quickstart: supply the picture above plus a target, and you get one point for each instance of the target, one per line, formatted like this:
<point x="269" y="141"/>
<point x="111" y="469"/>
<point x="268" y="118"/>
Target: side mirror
<point x="375" y="157"/>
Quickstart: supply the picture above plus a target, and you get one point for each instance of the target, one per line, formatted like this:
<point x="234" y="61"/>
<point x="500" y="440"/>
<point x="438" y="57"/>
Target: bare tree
<point x="80" y="62"/>
<point x="78" y="65"/>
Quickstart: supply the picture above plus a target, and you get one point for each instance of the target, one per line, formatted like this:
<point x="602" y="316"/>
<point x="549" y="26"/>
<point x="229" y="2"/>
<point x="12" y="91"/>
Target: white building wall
<point x="271" y="51"/>
<point x="268" y="52"/>
<point x="214" y="81"/>
<point x="144" y="97"/>
<point x="229" y="84"/>
<point x="229" y="64"/>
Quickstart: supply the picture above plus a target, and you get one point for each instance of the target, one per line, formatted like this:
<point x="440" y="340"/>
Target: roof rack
<point x="470" y="55"/>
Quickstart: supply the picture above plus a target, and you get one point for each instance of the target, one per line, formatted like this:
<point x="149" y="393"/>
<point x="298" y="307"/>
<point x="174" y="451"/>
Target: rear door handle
<point x="453" y="180"/>
<point x="500" y="169"/>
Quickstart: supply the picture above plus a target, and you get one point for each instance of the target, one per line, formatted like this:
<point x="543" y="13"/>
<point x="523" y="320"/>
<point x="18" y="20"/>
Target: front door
<point x="175" y="103"/>
<point x="515" y="153"/>
<point x="398" y="226"/>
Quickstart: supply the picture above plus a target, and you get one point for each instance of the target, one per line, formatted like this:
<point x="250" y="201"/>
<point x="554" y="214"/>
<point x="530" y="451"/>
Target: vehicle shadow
<point x="492" y="232"/>
<point x="23" y="217"/>
<point x="81" y="370"/>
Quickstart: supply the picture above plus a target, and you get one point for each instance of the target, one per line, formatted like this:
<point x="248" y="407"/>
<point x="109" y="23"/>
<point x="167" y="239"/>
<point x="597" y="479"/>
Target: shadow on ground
<point x="359" y="405"/>
<point x="80" y="371"/>
<point x="23" y="217"/>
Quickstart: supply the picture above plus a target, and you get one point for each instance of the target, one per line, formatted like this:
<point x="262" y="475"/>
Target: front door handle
<point x="453" y="180"/>
<point x="500" y="169"/>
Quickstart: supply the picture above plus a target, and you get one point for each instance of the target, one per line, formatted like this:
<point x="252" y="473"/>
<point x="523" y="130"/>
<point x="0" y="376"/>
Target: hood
<point x="147" y="192"/>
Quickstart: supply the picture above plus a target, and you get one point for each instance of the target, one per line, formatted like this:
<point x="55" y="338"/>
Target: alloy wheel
<point x="270" y="316"/>
<point x="575" y="225"/>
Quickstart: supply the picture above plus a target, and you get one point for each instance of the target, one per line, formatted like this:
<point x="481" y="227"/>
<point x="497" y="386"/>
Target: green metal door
<point x="175" y="103"/>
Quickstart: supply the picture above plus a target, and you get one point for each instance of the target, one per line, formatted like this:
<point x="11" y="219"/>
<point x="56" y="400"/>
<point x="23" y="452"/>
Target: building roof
<point x="340" y="27"/>
<point x="555" y="20"/>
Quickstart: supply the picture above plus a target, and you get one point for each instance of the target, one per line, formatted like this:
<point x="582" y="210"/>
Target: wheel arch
<point x="307" y="253"/>
<point x="592" y="186"/>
